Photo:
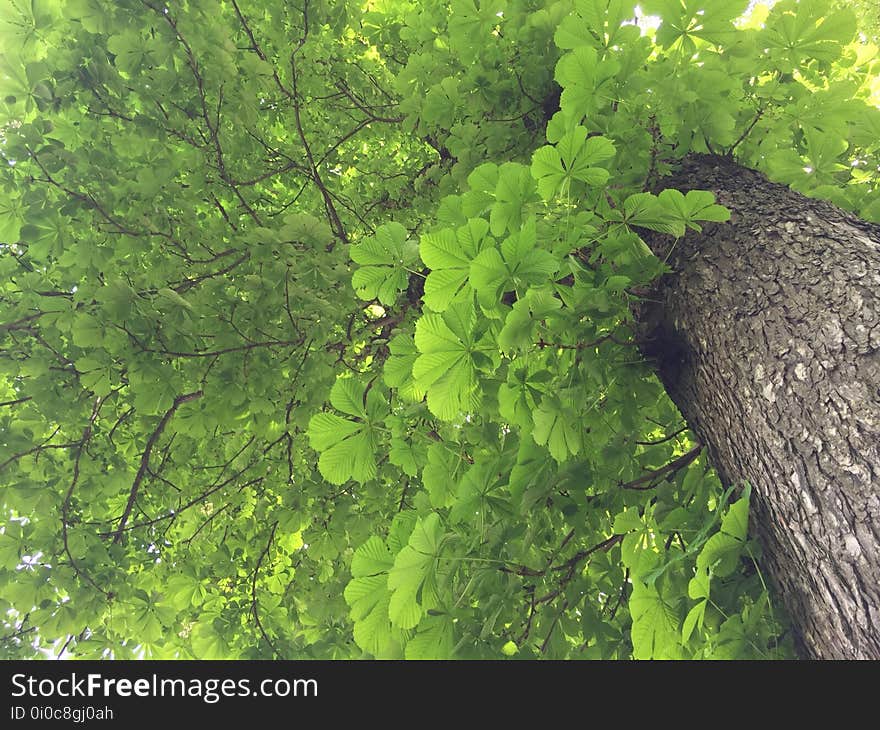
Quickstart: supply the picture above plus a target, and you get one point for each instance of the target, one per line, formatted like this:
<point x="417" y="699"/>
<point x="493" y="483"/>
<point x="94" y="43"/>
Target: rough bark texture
<point x="767" y="337"/>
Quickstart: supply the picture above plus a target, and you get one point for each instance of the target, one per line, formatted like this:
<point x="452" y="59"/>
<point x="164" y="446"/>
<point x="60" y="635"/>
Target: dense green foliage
<point x="315" y="320"/>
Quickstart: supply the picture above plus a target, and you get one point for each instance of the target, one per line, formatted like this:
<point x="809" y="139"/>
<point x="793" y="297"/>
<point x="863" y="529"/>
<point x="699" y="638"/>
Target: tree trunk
<point x="767" y="337"/>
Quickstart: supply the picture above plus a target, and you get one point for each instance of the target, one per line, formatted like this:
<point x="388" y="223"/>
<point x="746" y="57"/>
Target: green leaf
<point x="10" y="218"/>
<point x="804" y="30"/>
<point x="185" y="590"/>
<point x="347" y="395"/>
<point x="445" y="368"/>
<point x="327" y="429"/>
<point x="207" y="642"/>
<point x="720" y="555"/>
<point x="574" y="157"/>
<point x="303" y="228"/>
<point x="371" y="558"/>
<point x="518" y="398"/>
<point x="698" y="587"/>
<point x="10" y="552"/>
<point x="685" y="21"/>
<point x="683" y="211"/>
<point x="645" y="210"/>
<point x="398" y="368"/>
<point x="628" y="521"/>
<point x="693" y="620"/>
<point x="175" y="298"/>
<point x="518" y="263"/>
<point x="412" y="578"/>
<point x="367" y="595"/>
<point x="597" y="23"/>
<point x="347" y="446"/>
<point x="557" y="428"/>
<point x="408" y="455"/>
<point x="433" y="640"/>
<point x="449" y="255"/>
<point x="439" y="475"/>
<point x="385" y="260"/>
<point x="736" y="522"/>
<point x="131" y="49"/>
<point x="87" y="332"/>
<point x="514" y="191"/>
<point x="539" y="305"/>
<point x="582" y="76"/>
<point x="655" y="624"/>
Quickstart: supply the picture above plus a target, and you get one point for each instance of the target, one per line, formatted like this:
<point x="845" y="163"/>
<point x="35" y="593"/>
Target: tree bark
<point x="767" y="337"/>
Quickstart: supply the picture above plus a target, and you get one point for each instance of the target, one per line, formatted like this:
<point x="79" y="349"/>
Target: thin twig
<point x="652" y="478"/>
<point x="254" y="605"/>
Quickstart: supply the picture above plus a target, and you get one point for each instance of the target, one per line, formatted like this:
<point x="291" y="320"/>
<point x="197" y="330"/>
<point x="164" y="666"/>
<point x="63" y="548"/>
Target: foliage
<point x="317" y="332"/>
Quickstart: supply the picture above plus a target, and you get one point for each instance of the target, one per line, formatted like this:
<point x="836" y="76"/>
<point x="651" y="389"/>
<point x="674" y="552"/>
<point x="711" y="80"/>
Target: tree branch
<point x="254" y="604"/>
<point x="145" y="460"/>
<point x="650" y="480"/>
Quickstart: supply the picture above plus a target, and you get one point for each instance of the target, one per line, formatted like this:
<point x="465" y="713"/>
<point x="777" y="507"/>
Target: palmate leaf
<point x="643" y="210"/>
<point x="808" y="29"/>
<point x="514" y="190"/>
<point x="11" y="216"/>
<point x="132" y="50"/>
<point x="693" y="620"/>
<point x="482" y="183"/>
<point x="208" y="642"/>
<point x="684" y="20"/>
<point x="347" y="395"/>
<point x="10" y="552"/>
<point x="470" y="26"/>
<point x="581" y="74"/>
<point x="184" y="590"/>
<point x="721" y="554"/>
<point x="478" y="492"/>
<point x="445" y="368"/>
<point x="43" y="234"/>
<point x="670" y="212"/>
<point x="518" y="264"/>
<point x="87" y="331"/>
<point x="824" y="153"/>
<point x="539" y="304"/>
<point x="385" y="259"/>
<point x="348" y="446"/>
<point x="373" y="632"/>
<point x="398" y="369"/>
<point x="682" y="211"/>
<point x="433" y="640"/>
<point x="518" y="397"/>
<point x="368" y="596"/>
<point x="439" y="475"/>
<point x="736" y="522"/>
<point x="597" y="23"/>
<point x="408" y="455"/>
<point x="449" y="255"/>
<point x="655" y="624"/>
<point x="412" y="579"/>
<point x="574" y="157"/>
<point x="558" y="428"/>
<point x="306" y="230"/>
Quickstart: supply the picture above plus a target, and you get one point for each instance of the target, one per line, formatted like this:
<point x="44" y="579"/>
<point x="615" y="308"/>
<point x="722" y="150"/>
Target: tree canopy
<point x="316" y="320"/>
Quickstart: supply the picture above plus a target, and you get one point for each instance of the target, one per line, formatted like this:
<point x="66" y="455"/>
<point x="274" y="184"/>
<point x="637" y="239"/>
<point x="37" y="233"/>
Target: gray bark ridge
<point x="767" y="337"/>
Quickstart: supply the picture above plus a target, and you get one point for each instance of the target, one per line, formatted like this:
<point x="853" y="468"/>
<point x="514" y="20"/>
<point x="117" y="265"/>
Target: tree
<point x="334" y="329"/>
<point x="777" y="372"/>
